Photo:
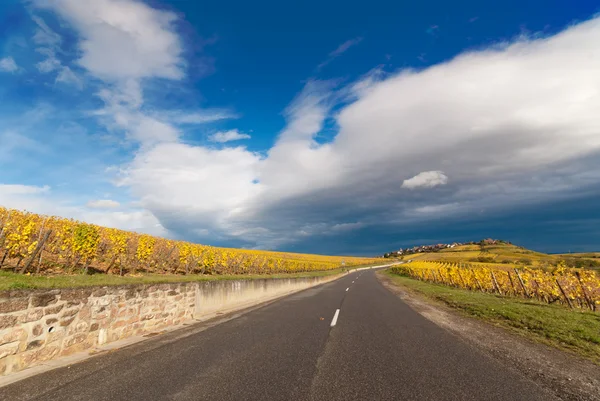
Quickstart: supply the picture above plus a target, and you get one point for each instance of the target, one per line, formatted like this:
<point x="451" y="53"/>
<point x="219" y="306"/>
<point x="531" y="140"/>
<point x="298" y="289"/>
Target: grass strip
<point x="12" y="281"/>
<point x="572" y="330"/>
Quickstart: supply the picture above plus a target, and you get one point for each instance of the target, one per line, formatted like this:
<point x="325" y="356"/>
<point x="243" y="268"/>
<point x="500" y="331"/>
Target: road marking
<point x="353" y="282"/>
<point x="335" y="317"/>
<point x="347" y="289"/>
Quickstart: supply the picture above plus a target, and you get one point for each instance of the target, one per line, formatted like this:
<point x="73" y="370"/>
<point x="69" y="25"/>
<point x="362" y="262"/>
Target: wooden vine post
<point x="512" y="284"/>
<point x="522" y="284"/>
<point x="588" y="300"/>
<point x="37" y="249"/>
<point x="564" y="294"/>
<point x="477" y="281"/>
<point x="496" y="283"/>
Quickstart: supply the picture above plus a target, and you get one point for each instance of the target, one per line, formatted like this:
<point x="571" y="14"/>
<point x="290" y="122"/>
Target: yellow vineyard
<point x="577" y="288"/>
<point x="32" y="243"/>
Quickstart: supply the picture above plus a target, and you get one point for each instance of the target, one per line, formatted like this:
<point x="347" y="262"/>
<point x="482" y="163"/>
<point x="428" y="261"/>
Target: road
<point x="378" y="349"/>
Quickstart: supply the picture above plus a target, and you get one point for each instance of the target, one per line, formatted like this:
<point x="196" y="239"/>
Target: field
<point x="32" y="244"/>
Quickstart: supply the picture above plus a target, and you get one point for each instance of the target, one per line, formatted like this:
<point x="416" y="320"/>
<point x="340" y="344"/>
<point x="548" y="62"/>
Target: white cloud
<point x="48" y="65"/>
<point x="426" y="179"/>
<point x="341" y="49"/>
<point x="14" y="189"/>
<point x="201" y="117"/>
<point x="39" y="199"/>
<point x="123" y="39"/>
<point x="509" y="124"/>
<point x="49" y="42"/>
<point x="44" y="35"/>
<point x="123" y="42"/>
<point x="7" y="64"/>
<point x="67" y="76"/>
<point x="103" y="204"/>
<point x="228" y="136"/>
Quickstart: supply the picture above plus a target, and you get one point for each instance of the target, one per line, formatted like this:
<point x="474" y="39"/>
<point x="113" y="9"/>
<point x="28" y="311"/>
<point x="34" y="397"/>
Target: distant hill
<point x="506" y="253"/>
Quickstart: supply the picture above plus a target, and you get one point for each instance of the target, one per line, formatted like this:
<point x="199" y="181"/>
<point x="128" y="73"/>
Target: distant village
<point x="439" y="247"/>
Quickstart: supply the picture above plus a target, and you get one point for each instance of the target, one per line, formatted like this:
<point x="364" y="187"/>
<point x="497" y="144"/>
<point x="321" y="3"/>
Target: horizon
<point x="313" y="132"/>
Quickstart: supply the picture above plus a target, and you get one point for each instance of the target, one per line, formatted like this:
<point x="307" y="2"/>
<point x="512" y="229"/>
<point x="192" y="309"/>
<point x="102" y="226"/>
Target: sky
<point x="327" y="127"/>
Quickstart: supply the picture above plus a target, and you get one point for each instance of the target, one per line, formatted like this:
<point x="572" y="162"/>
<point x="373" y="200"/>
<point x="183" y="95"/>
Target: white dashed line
<point x="335" y="318"/>
<point x="347" y="289"/>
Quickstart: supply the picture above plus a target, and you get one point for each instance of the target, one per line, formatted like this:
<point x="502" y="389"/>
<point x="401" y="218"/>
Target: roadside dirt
<point x="568" y="376"/>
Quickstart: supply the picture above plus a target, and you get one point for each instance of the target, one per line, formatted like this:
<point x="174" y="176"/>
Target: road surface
<point x="351" y="339"/>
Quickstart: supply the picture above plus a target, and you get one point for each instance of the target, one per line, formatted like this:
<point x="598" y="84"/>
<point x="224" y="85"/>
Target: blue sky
<point x="330" y="127"/>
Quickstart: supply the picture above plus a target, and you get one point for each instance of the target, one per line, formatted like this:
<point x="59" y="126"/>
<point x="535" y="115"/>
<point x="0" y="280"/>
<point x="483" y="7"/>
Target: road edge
<point x="567" y="376"/>
<point x="187" y="328"/>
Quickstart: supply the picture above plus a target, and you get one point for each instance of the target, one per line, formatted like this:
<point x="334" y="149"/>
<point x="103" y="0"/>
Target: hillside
<point x="510" y="255"/>
<point x="34" y="244"/>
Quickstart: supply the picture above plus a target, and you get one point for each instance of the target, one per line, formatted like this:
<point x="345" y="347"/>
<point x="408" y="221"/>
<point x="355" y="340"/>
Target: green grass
<point x="10" y="281"/>
<point x="575" y="331"/>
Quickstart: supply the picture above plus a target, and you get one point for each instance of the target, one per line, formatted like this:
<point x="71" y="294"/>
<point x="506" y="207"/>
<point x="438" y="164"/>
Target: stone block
<point x="67" y="321"/>
<point x="82" y="346"/>
<point x="80" y="327"/>
<point x="76" y="296"/>
<point x="44" y="299"/>
<point x="12" y="335"/>
<point x="52" y="310"/>
<point x="77" y="338"/>
<point x="120" y="323"/>
<point x="7" y="321"/>
<point x="31" y="316"/>
<point x="47" y="353"/>
<point x="85" y="313"/>
<point x="8" y="349"/>
<point x="34" y="344"/>
<point x="37" y="330"/>
<point x="70" y="312"/>
<point x="13" y="305"/>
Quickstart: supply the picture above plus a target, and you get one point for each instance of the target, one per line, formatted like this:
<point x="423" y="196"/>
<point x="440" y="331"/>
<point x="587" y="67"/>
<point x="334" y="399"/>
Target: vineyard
<point x="577" y="288"/>
<point x="33" y="243"/>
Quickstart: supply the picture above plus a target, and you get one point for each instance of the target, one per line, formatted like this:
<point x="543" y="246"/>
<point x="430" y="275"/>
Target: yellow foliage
<point x="581" y="287"/>
<point x="72" y="241"/>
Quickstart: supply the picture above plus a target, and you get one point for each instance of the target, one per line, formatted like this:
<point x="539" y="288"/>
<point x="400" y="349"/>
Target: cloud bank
<point x="490" y="129"/>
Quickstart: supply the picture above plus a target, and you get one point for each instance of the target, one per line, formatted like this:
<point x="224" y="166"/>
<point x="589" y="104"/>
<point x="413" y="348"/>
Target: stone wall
<point x="40" y="325"/>
<point x="36" y="326"/>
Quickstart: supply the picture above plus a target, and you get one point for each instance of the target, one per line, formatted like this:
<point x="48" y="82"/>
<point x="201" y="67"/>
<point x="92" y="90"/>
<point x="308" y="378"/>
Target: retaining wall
<point x="40" y="325"/>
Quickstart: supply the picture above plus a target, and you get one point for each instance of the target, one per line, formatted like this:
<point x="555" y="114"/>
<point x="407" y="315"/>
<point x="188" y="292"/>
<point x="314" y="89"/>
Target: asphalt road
<point x="379" y="349"/>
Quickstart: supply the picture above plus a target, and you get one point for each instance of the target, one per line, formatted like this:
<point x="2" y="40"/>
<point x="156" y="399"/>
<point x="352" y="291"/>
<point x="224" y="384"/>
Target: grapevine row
<point x="577" y="288"/>
<point x="33" y="243"/>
